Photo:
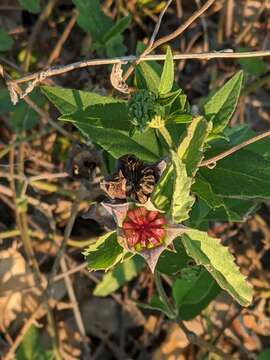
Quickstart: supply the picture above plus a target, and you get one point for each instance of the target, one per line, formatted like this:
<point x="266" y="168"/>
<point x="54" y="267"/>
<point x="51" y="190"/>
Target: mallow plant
<point x="165" y="184"/>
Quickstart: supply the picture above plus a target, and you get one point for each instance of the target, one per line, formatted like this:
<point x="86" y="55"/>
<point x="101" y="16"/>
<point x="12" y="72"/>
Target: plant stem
<point x="163" y="296"/>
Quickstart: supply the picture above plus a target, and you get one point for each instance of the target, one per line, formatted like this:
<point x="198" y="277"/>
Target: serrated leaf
<point x="243" y="175"/>
<point x="172" y="262"/>
<point x="216" y="258"/>
<point x="112" y="115"/>
<point x="117" y="29"/>
<point x="147" y="77"/>
<point x="182" y="201"/>
<point x="191" y="147"/>
<point x="71" y="100"/>
<point x="192" y="295"/>
<point x="167" y="76"/>
<point x="222" y="104"/>
<point x="119" y="276"/>
<point x="117" y="143"/>
<point x="6" y="40"/>
<point x="32" y="6"/>
<point x="105" y="253"/>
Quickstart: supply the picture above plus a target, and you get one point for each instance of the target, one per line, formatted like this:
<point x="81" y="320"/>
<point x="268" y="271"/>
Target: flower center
<point x="143" y="228"/>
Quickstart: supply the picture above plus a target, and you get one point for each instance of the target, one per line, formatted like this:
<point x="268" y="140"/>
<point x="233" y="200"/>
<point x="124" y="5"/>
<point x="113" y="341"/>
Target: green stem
<point x="160" y="289"/>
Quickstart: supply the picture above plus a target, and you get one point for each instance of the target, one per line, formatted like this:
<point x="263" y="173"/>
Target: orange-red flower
<point x="143" y="228"/>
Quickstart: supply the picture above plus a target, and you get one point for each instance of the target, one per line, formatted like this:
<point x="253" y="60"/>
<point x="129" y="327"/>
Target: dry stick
<point x="58" y="70"/>
<point x="250" y="26"/>
<point x="63" y="38"/>
<point x="169" y="37"/>
<point x="48" y="291"/>
<point x="226" y="153"/>
<point x="196" y="340"/>
<point x="76" y="309"/>
<point x="36" y="30"/>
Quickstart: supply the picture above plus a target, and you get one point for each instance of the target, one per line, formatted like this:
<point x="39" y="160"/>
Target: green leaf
<point x="31" y="348"/>
<point x="216" y="258"/>
<point x="111" y="115"/>
<point x="117" y="28"/>
<point x="32" y="6"/>
<point x="6" y="40"/>
<point x="168" y="98"/>
<point x="71" y="100"/>
<point x="178" y="117"/>
<point x="254" y="66"/>
<point x="119" y="276"/>
<point x="264" y="355"/>
<point x="167" y="76"/>
<point x="244" y="175"/>
<point x="191" y="147"/>
<point x="147" y="77"/>
<point x="105" y="253"/>
<point x="149" y="140"/>
<point x="92" y="19"/>
<point x="182" y="201"/>
<point x="162" y="194"/>
<point x="194" y="293"/>
<point x="117" y="143"/>
<point x="222" y="104"/>
<point x="5" y="102"/>
<point x="172" y="262"/>
<point x="156" y="304"/>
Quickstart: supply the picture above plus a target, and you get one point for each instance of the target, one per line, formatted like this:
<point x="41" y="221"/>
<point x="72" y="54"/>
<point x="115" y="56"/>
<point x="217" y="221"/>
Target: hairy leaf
<point x="105" y="253"/>
<point x="71" y="100"/>
<point x="147" y="77"/>
<point x="244" y="175"/>
<point x="190" y="149"/>
<point x="167" y="76"/>
<point x="216" y="258"/>
<point x="182" y="201"/>
<point x="117" y="143"/>
<point x="193" y="294"/>
<point x="221" y="105"/>
<point x="111" y="115"/>
<point x="119" y="276"/>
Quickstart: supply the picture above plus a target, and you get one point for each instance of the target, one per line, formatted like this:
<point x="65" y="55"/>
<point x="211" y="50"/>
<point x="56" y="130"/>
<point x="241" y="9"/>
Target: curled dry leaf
<point x="117" y="79"/>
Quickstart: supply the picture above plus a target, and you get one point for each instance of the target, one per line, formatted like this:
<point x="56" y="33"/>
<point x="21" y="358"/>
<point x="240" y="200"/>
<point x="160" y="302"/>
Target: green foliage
<point x="167" y="76"/>
<point x="6" y="40"/>
<point x="31" y="347"/>
<point x="253" y="66"/>
<point x="193" y="291"/>
<point x="232" y="190"/>
<point x="244" y="175"/>
<point x="190" y="149"/>
<point x="182" y="201"/>
<point x="104" y="253"/>
<point x="216" y="258"/>
<point x="106" y="35"/>
<point x="221" y="105"/>
<point x="32" y="6"/>
<point x="70" y="100"/>
<point x="264" y="355"/>
<point x="119" y="276"/>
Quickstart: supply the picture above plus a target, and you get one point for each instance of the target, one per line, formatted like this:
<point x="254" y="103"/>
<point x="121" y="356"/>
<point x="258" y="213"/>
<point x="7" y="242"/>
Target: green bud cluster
<point x="143" y="106"/>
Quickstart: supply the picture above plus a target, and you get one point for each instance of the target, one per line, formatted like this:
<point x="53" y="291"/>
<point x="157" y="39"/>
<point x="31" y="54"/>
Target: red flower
<point x="143" y="228"/>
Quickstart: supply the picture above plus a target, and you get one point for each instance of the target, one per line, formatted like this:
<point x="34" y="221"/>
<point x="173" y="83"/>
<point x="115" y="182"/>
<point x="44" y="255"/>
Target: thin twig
<point x="169" y="37"/>
<point x="63" y="38"/>
<point x="196" y="340"/>
<point x="58" y="70"/>
<point x="213" y="160"/>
